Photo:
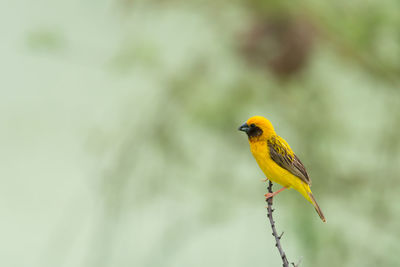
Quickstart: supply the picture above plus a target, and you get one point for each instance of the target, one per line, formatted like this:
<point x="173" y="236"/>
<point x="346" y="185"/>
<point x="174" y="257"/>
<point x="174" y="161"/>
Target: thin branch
<point x="274" y="233"/>
<point x="296" y="265"/>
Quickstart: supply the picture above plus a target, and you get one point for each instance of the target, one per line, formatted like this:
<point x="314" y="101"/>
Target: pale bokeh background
<point x="119" y="141"/>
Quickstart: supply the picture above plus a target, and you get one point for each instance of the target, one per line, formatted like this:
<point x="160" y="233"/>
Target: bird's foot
<point x="264" y="180"/>
<point x="269" y="195"/>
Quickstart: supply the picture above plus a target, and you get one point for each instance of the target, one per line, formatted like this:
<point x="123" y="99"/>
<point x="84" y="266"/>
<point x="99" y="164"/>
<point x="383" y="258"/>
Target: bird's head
<point x="258" y="128"/>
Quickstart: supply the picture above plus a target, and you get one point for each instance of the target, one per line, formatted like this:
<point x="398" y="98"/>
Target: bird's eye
<point x="252" y="125"/>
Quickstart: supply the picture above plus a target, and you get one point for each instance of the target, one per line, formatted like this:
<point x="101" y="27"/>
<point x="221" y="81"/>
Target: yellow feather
<point x="261" y="152"/>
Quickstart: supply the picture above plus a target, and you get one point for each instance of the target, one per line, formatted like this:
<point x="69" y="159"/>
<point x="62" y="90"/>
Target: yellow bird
<point x="277" y="160"/>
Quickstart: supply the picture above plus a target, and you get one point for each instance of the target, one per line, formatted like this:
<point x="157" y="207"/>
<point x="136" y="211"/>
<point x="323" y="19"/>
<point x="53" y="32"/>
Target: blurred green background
<point x="119" y="141"/>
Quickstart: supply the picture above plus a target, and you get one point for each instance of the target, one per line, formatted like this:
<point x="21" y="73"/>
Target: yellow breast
<point x="272" y="170"/>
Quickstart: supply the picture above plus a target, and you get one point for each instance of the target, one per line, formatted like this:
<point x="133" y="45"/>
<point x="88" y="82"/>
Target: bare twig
<point x="274" y="233"/>
<point x="296" y="265"/>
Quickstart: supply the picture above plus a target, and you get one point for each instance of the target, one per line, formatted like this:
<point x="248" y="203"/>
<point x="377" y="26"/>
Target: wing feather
<point x="282" y="154"/>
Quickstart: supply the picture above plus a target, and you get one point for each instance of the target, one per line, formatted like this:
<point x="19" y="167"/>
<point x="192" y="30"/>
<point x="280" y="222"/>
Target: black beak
<point x="244" y="127"/>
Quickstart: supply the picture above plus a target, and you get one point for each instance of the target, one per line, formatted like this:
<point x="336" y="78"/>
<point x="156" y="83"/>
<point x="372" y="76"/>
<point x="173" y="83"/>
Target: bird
<point x="277" y="160"/>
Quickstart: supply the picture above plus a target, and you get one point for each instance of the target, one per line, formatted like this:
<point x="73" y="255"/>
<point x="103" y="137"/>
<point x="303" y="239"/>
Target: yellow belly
<point x="275" y="173"/>
<point x="272" y="170"/>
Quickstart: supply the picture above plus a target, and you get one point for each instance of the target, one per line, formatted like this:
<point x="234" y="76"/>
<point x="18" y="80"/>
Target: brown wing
<point x="281" y="153"/>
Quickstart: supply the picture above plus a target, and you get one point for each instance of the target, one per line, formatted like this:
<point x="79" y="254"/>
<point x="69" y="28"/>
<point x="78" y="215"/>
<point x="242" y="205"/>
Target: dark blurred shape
<point x="282" y="44"/>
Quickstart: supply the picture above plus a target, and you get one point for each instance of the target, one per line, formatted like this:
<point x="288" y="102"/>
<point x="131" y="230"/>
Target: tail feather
<point x="317" y="208"/>
<point x="305" y="190"/>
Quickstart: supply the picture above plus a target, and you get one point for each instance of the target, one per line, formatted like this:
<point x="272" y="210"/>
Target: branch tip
<point x="281" y="235"/>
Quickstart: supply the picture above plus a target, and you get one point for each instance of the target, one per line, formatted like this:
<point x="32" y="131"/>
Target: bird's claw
<point x="268" y="195"/>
